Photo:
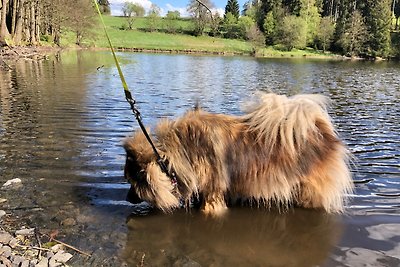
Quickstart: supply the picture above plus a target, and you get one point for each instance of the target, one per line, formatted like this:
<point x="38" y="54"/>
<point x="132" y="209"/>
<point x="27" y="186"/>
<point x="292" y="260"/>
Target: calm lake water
<point x="62" y="122"/>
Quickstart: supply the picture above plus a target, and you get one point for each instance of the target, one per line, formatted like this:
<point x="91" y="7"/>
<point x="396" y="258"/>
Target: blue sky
<point x="167" y="5"/>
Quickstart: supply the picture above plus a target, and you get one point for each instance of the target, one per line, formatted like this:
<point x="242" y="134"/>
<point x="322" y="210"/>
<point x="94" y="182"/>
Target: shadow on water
<point x="244" y="237"/>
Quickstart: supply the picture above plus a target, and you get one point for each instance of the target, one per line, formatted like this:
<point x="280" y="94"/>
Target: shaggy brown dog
<point x="284" y="151"/>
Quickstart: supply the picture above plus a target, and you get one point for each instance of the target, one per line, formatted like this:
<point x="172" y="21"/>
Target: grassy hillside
<point x="141" y="38"/>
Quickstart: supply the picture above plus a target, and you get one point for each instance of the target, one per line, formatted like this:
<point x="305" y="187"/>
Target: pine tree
<point x="378" y="20"/>
<point x="232" y="7"/>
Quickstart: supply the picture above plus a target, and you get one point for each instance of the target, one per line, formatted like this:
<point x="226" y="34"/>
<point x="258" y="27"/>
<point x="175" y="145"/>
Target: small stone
<point x="68" y="222"/>
<point x="2" y="200"/>
<point x="5" y="237"/>
<point x="13" y="243"/>
<point x="57" y="248"/>
<point x="53" y="263"/>
<point x="30" y="231"/>
<point x="62" y="256"/>
<point x="17" y="260"/>
<point x="12" y="183"/>
<point x="5" y="251"/>
<point x="25" y="263"/>
<point x="49" y="254"/>
<point x="43" y="263"/>
<point x="6" y="261"/>
<point x="2" y="213"/>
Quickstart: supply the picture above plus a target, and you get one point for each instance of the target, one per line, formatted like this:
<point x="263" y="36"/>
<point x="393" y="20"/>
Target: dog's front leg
<point x="214" y="205"/>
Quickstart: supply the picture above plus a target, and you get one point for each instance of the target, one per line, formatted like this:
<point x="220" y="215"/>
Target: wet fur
<point x="284" y="151"/>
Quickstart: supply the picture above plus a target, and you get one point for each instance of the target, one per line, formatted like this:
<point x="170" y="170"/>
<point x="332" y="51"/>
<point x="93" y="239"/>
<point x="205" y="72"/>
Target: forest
<point x="364" y="28"/>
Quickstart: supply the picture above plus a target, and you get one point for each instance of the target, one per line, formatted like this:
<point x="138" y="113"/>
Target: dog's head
<point x="148" y="182"/>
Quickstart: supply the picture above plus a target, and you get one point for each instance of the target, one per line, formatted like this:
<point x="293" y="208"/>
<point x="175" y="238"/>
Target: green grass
<point x="139" y="38"/>
<point x="159" y="40"/>
<point x="296" y="53"/>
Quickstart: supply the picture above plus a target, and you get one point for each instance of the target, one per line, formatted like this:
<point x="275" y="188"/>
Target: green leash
<point x="161" y="162"/>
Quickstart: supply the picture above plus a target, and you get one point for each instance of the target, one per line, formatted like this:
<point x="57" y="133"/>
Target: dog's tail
<point x="302" y="148"/>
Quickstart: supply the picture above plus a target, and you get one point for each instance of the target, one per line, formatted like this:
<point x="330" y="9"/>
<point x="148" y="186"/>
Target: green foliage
<point x="395" y="37"/>
<point x="232" y="7"/>
<point x="292" y="33"/>
<point x="325" y="32"/>
<point x="270" y="28"/>
<point x="173" y="15"/>
<point x="309" y="12"/>
<point x="379" y="23"/>
<point x="229" y="27"/>
<point x="169" y="21"/>
<point x="200" y="14"/>
<point x="131" y="11"/>
<point x="354" y="37"/>
<point x="154" y="17"/>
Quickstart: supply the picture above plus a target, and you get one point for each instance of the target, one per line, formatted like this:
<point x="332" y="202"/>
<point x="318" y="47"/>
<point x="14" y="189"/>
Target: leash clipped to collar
<point x="132" y="102"/>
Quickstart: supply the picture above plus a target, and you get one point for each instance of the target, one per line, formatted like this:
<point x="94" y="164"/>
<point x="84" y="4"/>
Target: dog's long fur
<point x="283" y="152"/>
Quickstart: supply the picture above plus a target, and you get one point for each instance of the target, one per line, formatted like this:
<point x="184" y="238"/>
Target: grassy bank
<point x="141" y="39"/>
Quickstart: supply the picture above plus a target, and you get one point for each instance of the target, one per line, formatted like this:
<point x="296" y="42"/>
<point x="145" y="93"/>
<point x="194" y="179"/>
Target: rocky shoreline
<point x="21" y="246"/>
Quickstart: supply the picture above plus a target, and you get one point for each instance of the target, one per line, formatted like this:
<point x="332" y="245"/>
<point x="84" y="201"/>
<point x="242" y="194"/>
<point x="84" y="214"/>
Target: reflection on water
<point x="244" y="237"/>
<point x="62" y="122"/>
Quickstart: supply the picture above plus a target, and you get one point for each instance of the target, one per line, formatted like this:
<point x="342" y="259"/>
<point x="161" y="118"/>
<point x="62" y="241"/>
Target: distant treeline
<point x="350" y="27"/>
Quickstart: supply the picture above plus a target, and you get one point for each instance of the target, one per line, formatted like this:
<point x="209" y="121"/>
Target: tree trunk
<point x="4" y="34"/>
<point x="18" y="23"/>
<point x="32" y="25"/>
<point x="38" y="21"/>
<point x="14" y="16"/>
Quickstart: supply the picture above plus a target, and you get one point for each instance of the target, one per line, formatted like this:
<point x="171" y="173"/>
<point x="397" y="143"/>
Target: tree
<point x="81" y="21"/>
<point x="173" y="15"/>
<point x="230" y="28"/>
<point x="4" y="33"/>
<point x="170" y="19"/>
<point x="292" y="32"/>
<point x="270" y="28"/>
<point x="153" y="17"/>
<point x="232" y="7"/>
<point x="104" y="6"/>
<point x="352" y="40"/>
<point x="325" y="33"/>
<point x="131" y="11"/>
<point x="378" y="19"/>
<point x="200" y="12"/>
<point x="250" y="31"/>
<point x="396" y="11"/>
<point x="309" y="12"/>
